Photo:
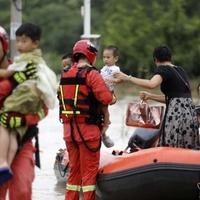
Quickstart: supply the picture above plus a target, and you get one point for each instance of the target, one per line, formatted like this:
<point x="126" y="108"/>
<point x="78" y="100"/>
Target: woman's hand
<point x="145" y="95"/>
<point x="150" y="96"/>
<point x="119" y="77"/>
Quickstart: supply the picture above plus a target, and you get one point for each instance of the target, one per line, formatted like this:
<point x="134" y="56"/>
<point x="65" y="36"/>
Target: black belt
<point x="181" y="95"/>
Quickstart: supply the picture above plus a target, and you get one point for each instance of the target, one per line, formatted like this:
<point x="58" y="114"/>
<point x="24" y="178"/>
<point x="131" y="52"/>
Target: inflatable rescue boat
<point x="146" y="172"/>
<point x="159" y="173"/>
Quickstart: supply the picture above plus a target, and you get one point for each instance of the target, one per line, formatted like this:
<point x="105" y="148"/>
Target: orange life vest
<point x="76" y="98"/>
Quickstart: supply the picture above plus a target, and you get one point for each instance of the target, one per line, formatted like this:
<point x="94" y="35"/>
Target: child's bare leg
<point x="5" y="171"/>
<point x="105" y="138"/>
<point x="4" y="146"/>
<point x="12" y="147"/>
<point x="106" y="119"/>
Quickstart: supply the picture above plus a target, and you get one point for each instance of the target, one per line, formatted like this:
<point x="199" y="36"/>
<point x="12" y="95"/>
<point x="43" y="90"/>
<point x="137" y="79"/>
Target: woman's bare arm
<point x="155" y="81"/>
<point x="150" y="96"/>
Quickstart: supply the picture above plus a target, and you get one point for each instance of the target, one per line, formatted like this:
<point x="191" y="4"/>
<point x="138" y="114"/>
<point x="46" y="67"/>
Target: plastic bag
<point x="141" y="114"/>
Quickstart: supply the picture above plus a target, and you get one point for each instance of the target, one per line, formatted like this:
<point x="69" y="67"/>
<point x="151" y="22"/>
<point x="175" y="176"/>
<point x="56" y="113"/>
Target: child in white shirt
<point x="110" y="57"/>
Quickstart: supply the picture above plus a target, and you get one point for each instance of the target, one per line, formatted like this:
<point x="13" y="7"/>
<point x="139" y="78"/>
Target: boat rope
<point x="82" y="137"/>
<point x="62" y="171"/>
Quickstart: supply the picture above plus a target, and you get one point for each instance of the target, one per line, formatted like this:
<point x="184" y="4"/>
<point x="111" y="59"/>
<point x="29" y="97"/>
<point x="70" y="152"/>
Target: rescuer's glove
<point x="30" y="72"/>
<point x="12" y="120"/>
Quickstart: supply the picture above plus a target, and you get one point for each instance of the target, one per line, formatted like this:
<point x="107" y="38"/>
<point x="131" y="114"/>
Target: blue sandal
<point x="5" y="175"/>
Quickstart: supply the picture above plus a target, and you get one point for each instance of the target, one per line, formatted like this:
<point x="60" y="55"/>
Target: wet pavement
<point x="45" y="185"/>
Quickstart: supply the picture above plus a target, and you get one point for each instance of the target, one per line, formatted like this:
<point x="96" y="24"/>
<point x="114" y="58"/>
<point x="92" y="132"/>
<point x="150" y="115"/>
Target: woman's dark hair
<point x="30" y="30"/>
<point x="162" y="53"/>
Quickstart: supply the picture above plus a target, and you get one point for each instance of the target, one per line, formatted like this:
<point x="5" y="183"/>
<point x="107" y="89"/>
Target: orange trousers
<point x="84" y="166"/>
<point x="20" y="186"/>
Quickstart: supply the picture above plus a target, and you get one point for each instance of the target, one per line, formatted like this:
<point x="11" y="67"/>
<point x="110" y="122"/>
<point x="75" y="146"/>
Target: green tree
<point x="136" y="27"/>
<point x="61" y="24"/>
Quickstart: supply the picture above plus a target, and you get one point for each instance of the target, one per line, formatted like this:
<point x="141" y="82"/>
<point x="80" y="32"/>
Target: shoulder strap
<point x="180" y="77"/>
<point x="66" y="68"/>
<point x="84" y="71"/>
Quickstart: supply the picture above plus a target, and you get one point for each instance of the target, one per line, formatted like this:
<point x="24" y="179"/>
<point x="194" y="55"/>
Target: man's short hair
<point x="67" y="55"/>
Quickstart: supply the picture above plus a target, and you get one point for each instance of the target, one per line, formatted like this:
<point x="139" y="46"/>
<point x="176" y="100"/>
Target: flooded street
<point x="45" y="185"/>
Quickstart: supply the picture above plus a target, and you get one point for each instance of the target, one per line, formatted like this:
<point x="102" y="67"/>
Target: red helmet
<point x="4" y="39"/>
<point x="86" y="48"/>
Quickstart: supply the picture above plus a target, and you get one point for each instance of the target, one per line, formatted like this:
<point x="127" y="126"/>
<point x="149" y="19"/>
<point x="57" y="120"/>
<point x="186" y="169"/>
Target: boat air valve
<point x="155" y="160"/>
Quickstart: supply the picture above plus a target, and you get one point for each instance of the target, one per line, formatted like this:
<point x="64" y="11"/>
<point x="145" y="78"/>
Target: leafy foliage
<point x="136" y="27"/>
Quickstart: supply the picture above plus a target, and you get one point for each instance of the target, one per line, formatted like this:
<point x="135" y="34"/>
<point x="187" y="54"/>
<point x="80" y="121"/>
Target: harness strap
<point x="71" y="112"/>
<point x="79" y="101"/>
<point x="76" y="111"/>
<point x="32" y="132"/>
<point x="73" y="102"/>
<point x="77" y="81"/>
<point x="76" y="104"/>
<point x="76" y="95"/>
<point x="72" y="133"/>
<point x="85" y="142"/>
<point x="81" y="136"/>
<point x="37" y="152"/>
<point x="73" y="81"/>
<point x="62" y="97"/>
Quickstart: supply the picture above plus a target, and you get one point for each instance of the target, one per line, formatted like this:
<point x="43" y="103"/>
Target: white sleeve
<point x="17" y="66"/>
<point x="115" y="70"/>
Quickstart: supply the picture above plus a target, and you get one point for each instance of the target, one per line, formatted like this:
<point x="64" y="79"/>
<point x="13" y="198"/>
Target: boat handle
<point x="198" y="185"/>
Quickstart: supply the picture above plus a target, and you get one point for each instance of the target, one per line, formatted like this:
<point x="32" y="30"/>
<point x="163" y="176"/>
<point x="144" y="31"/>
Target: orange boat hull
<point x="161" y="173"/>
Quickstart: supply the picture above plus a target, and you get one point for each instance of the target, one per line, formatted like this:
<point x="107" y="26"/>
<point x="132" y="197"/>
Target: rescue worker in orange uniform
<point x="20" y="186"/>
<point x="80" y="92"/>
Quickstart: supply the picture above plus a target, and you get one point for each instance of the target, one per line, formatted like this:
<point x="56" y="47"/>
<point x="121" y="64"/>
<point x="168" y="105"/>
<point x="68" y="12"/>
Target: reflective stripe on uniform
<point x="68" y="112"/>
<point x="73" y="187"/>
<point x="88" y="188"/>
<point x="62" y="98"/>
<point x="76" y="95"/>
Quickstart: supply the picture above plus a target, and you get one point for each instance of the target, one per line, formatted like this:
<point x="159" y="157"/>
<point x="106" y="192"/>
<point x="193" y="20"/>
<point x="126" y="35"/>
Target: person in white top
<point x="110" y="58"/>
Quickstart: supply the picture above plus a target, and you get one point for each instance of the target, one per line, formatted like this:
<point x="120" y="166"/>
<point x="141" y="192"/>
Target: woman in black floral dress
<point x="180" y="125"/>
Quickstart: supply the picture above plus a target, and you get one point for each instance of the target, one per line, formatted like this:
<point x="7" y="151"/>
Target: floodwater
<point x="45" y="185"/>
